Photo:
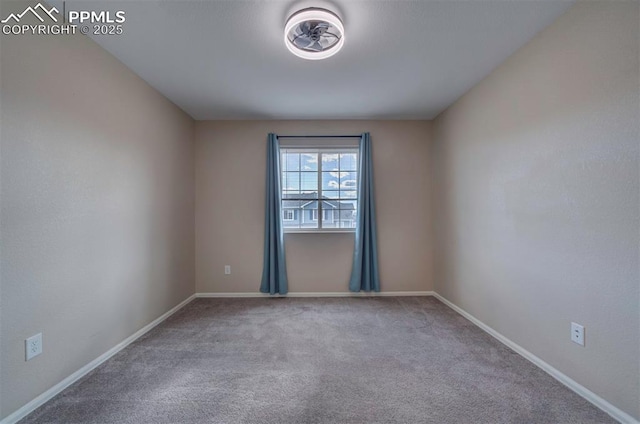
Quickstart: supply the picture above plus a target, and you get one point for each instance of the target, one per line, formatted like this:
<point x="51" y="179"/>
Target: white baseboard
<point x="53" y="391"/>
<point x="320" y="294"/>
<point x="596" y="400"/>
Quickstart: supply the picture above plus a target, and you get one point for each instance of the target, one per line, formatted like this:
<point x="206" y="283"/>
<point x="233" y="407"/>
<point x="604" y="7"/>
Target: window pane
<point x="331" y="194"/>
<point x="348" y="204"/>
<point x="291" y="213"/>
<point x="334" y="180"/>
<point x="291" y="204"/>
<point x="330" y="218"/>
<point x="309" y="215"/>
<point x="348" y="194"/>
<point x="348" y="161"/>
<point x="290" y="162"/>
<point x="291" y="181"/>
<point x="291" y="194"/>
<point x="347" y="218"/>
<point x="330" y="204"/>
<point x="348" y="213"/>
<point x="330" y="161"/>
<point x="330" y="180"/>
<point x="309" y="161"/>
<point x="349" y="180"/>
<point x="309" y="181"/>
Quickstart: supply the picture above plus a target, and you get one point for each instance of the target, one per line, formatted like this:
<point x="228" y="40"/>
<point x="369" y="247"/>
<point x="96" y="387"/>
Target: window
<point x="328" y="216"/>
<point x="319" y="183"/>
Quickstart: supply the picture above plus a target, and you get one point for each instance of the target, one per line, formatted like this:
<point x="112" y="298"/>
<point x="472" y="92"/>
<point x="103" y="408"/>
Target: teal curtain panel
<point x="364" y="274"/>
<point x="274" y="271"/>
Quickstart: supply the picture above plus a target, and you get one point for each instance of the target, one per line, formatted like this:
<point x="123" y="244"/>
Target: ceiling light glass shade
<point x="314" y="34"/>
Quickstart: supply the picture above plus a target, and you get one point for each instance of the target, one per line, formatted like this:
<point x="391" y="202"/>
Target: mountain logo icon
<point x="33" y="10"/>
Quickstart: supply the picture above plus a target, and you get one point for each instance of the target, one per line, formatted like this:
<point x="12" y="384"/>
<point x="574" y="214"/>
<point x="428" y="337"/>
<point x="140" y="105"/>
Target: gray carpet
<point x="293" y="360"/>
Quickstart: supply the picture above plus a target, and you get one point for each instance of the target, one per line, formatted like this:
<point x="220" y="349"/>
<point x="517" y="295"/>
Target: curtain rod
<point x="319" y="136"/>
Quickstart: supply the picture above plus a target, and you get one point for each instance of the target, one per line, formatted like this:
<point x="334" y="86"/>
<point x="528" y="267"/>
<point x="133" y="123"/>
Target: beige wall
<point x="537" y="217"/>
<point x="97" y="207"/>
<point x="230" y="169"/>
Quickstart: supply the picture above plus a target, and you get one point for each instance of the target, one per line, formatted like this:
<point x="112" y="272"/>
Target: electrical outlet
<point x="227" y="269"/>
<point x="33" y="346"/>
<point x="577" y="333"/>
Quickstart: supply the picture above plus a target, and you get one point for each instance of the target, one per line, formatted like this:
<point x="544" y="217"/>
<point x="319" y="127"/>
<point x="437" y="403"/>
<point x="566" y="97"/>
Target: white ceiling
<point x="401" y="59"/>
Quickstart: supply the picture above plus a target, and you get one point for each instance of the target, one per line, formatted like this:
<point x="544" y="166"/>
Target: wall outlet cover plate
<point x="33" y="346"/>
<point x="577" y="333"/>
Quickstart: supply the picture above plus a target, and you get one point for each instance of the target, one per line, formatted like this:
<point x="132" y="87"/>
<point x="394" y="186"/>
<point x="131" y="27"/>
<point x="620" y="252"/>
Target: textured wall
<point x="97" y="207"/>
<point x="537" y="219"/>
<point x="230" y="169"/>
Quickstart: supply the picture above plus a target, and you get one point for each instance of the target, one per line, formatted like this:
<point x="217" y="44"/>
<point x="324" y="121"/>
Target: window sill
<point x="323" y="231"/>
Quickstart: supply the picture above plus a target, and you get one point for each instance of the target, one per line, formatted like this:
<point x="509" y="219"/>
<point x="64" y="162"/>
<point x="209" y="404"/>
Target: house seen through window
<point x="319" y="183"/>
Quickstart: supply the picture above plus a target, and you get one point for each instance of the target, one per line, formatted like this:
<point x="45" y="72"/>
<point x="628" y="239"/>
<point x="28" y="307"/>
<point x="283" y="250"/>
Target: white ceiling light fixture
<point x="314" y="34"/>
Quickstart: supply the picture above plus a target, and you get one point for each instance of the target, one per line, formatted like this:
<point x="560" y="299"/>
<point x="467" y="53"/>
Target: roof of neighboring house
<point x="326" y="202"/>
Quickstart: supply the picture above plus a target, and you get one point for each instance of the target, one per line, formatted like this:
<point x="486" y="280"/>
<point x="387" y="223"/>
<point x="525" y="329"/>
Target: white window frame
<point x="286" y="218"/>
<point x="320" y="211"/>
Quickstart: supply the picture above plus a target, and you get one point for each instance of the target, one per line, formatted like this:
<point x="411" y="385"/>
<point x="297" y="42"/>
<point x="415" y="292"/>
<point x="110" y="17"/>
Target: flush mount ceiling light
<point x="314" y="34"/>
